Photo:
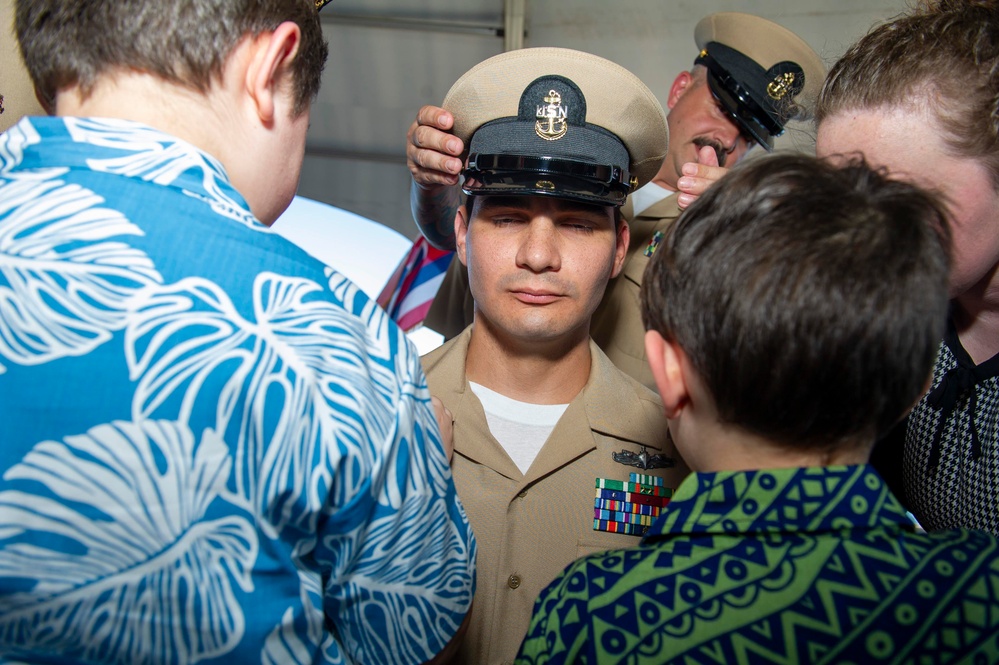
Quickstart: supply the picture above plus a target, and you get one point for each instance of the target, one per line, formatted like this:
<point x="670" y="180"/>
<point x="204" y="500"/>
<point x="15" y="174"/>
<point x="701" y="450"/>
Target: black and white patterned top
<point x="950" y="464"/>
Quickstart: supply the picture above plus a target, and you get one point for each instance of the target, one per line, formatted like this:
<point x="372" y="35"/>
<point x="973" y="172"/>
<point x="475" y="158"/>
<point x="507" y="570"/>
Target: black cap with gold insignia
<point x="557" y="122"/>
<point x="762" y="73"/>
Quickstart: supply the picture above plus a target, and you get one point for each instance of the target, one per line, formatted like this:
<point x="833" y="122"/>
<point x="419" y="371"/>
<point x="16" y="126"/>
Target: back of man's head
<point x="74" y="42"/>
<point x="809" y="299"/>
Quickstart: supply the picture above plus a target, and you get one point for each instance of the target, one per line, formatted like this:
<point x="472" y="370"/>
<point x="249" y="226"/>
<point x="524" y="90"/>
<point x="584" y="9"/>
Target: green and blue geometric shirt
<point x="213" y="448"/>
<point x="804" y="565"/>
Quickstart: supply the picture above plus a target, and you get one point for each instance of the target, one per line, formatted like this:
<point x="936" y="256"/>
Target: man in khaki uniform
<point x="556" y="451"/>
<point x="750" y="77"/>
<point x="17" y="95"/>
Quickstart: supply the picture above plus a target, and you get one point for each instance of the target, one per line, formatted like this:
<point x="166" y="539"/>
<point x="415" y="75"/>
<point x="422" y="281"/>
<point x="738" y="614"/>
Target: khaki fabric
<point x="452" y="309"/>
<point x="616" y="326"/>
<point x="15" y="85"/>
<point x="528" y="528"/>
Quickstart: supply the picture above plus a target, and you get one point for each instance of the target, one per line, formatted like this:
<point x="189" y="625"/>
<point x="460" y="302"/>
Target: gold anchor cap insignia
<point x="780" y="86"/>
<point x="551" y="124"/>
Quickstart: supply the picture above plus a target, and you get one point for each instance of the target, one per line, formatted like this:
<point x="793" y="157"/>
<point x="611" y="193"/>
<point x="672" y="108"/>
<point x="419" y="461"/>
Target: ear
<point x="621" y="250"/>
<point x="667" y="370"/>
<point x="272" y="52"/>
<point x="461" y="234"/>
<point x="681" y="84"/>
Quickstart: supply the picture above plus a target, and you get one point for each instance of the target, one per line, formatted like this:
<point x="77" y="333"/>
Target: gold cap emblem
<point x="551" y="124"/>
<point x="780" y="86"/>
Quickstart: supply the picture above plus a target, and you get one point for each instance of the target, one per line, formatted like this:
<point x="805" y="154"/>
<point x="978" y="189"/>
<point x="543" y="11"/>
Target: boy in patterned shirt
<point x="793" y="315"/>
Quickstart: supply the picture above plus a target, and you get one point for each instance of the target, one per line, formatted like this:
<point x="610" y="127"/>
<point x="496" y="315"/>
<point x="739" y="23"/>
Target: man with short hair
<point x="778" y="374"/>
<point x="556" y="451"/>
<point x="215" y="448"/>
<point x="750" y="77"/>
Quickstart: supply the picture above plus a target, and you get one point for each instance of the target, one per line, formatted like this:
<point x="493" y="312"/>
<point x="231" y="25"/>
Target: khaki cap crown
<point x="616" y="100"/>
<point x="767" y="43"/>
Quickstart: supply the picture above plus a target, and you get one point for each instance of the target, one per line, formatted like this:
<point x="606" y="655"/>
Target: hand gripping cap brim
<point x="489" y="103"/>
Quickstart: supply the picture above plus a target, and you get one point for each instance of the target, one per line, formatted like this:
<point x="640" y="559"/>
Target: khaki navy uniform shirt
<point x="529" y="527"/>
<point x="616" y="326"/>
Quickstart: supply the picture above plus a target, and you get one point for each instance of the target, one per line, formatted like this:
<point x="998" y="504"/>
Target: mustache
<point x="721" y="153"/>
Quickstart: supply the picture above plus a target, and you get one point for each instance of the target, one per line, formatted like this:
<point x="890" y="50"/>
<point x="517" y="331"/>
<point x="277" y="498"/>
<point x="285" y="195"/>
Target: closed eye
<point x="500" y="220"/>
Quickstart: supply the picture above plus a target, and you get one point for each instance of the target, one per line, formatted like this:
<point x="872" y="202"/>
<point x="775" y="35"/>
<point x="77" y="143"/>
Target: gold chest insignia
<point x="551" y="124"/>
<point x="780" y="86"/>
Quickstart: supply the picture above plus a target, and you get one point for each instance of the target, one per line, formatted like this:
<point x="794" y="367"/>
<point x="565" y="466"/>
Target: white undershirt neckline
<point x="647" y="196"/>
<point x="520" y="427"/>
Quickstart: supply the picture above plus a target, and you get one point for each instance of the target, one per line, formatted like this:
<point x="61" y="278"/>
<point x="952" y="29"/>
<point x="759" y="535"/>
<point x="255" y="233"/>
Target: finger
<point x="432" y="164"/>
<point x="427" y="178"/>
<point x="445" y="419"/>
<point x="435" y="116"/>
<point x="684" y="200"/>
<point x="428" y="138"/>
<point x="706" y="155"/>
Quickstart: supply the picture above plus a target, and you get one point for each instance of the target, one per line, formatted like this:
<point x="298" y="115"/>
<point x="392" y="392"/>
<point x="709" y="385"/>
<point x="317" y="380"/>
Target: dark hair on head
<point x="809" y="299"/>
<point x="187" y="42"/>
<point x="943" y="57"/>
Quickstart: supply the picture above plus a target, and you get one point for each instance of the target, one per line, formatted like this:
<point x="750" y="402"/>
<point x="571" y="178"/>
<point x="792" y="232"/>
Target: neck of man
<point x="180" y="111"/>
<point x="727" y="448"/>
<point x="669" y="172"/>
<point x="551" y="372"/>
<point x="976" y="317"/>
<point x="666" y="177"/>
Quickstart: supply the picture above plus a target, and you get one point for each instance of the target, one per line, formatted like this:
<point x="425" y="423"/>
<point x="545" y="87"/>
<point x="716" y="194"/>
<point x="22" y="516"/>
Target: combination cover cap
<point x="762" y="73"/>
<point x="557" y="122"/>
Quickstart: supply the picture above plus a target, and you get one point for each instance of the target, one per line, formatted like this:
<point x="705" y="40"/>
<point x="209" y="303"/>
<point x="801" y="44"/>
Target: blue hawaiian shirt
<point x="802" y="565"/>
<point x="214" y="448"/>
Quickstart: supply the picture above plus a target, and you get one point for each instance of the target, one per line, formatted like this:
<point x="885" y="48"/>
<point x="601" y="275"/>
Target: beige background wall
<point x="388" y="57"/>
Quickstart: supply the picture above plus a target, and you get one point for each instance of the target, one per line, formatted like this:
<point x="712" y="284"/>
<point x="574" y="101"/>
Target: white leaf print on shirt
<point x="308" y="395"/>
<point x="13" y="143"/>
<point x="117" y="537"/>
<point x="64" y="285"/>
<point x="152" y="155"/>
<point x="298" y="373"/>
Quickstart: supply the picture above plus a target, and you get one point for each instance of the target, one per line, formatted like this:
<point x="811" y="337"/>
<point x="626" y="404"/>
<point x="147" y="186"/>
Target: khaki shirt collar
<point x="608" y="405"/>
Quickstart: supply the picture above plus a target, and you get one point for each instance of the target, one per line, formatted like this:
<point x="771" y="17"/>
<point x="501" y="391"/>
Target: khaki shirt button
<point x="513" y="582"/>
<point x="521" y="494"/>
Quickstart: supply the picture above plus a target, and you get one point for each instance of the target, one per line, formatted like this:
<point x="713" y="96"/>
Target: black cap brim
<point x="588" y="164"/>
<point x="736" y="98"/>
